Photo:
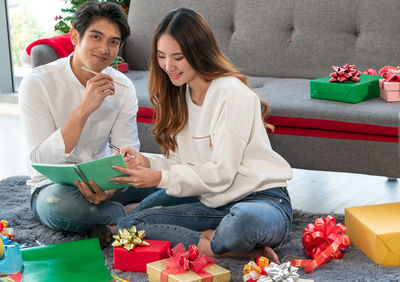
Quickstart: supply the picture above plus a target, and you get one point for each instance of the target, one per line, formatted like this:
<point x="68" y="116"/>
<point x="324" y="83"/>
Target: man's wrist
<point x="82" y="112"/>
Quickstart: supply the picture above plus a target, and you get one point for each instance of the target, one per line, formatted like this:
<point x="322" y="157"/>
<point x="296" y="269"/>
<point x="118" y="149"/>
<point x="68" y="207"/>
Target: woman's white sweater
<point x="223" y="153"/>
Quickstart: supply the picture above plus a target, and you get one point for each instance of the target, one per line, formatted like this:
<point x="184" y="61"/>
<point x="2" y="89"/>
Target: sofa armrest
<point x="42" y="54"/>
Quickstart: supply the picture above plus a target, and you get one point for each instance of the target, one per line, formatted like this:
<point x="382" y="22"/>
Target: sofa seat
<point x="300" y="115"/>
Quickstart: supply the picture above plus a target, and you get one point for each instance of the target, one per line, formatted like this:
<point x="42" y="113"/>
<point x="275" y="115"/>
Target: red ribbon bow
<point x="322" y="241"/>
<point x="347" y="72"/>
<point x="182" y="260"/>
<point x="392" y="75"/>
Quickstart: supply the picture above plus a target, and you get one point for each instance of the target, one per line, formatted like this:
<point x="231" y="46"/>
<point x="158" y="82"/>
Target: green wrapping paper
<point x="69" y="261"/>
<point x="347" y="91"/>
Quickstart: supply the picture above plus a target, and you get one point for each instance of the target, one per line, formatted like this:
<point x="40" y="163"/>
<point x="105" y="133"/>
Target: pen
<point x="112" y="146"/>
<point x="93" y="72"/>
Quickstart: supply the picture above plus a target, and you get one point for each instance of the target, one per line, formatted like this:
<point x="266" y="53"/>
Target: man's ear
<point x="74" y="36"/>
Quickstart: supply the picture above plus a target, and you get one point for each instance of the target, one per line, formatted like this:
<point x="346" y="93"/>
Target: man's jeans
<point x="63" y="208"/>
<point x="261" y="219"/>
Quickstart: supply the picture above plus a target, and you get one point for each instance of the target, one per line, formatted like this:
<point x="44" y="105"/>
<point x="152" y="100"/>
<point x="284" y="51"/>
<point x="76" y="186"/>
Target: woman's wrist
<point x="147" y="162"/>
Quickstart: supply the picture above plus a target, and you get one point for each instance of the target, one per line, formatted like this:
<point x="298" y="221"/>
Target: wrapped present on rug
<point x="132" y="253"/>
<point x="10" y="256"/>
<point x="375" y="230"/>
<point x="186" y="266"/>
<point x="322" y="241"/>
<point x="252" y="271"/>
<point x="263" y="271"/>
<point x="6" y="231"/>
<point x="390" y="85"/>
<point x="346" y="84"/>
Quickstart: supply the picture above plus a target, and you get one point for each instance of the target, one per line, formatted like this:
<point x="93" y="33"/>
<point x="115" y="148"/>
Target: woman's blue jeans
<point x="261" y="219"/>
<point x="63" y="208"/>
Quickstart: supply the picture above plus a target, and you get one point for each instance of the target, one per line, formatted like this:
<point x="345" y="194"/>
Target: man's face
<point x="99" y="45"/>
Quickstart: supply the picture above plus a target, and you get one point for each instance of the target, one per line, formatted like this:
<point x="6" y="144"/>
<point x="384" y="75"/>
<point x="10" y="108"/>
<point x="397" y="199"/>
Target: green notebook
<point x="98" y="170"/>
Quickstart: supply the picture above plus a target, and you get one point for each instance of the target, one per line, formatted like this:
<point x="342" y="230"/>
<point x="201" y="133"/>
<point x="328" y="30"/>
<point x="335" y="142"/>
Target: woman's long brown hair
<point x="201" y="50"/>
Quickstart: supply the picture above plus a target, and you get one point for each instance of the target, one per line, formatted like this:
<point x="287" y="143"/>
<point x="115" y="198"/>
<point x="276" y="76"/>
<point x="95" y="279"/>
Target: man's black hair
<point x="91" y="10"/>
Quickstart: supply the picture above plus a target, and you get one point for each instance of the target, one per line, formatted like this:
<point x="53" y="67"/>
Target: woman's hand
<point x="133" y="158"/>
<point x="139" y="177"/>
<point x="98" y="196"/>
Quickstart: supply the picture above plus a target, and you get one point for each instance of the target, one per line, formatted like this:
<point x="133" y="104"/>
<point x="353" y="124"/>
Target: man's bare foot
<point x="130" y="207"/>
<point x="103" y="233"/>
<point x="113" y="228"/>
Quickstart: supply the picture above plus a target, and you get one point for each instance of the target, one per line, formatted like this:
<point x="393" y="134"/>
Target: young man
<point x="69" y="115"/>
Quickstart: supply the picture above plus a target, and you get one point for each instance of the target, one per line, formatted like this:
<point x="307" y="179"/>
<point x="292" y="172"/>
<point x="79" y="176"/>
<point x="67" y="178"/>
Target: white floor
<point x="314" y="191"/>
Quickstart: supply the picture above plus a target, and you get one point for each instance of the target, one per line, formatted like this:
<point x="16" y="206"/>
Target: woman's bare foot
<point x="271" y="255"/>
<point x="204" y="244"/>
<point x="204" y="247"/>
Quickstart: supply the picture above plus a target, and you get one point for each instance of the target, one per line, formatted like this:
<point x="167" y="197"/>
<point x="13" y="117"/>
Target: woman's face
<point x="171" y="59"/>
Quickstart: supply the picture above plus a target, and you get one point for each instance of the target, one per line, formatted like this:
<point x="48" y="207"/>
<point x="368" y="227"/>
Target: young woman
<point x="209" y="125"/>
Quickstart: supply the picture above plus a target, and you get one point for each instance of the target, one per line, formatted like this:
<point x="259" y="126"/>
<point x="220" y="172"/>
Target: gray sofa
<point x="281" y="45"/>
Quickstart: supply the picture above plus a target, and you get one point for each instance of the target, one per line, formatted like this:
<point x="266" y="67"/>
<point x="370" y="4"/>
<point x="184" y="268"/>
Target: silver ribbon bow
<point x="280" y="273"/>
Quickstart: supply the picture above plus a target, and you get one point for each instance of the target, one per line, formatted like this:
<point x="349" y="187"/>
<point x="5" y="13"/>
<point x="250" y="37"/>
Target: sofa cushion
<point x="293" y="112"/>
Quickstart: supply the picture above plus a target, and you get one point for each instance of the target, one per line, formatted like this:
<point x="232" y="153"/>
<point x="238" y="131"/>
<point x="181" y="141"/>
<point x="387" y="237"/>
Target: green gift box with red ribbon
<point x="347" y="91"/>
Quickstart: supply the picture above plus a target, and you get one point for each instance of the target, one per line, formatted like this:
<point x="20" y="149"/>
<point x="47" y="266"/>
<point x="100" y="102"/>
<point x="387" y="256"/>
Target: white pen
<point x="112" y="146"/>
<point x="95" y="73"/>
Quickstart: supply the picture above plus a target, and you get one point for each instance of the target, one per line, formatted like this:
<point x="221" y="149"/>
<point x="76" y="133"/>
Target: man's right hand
<point x="97" y="89"/>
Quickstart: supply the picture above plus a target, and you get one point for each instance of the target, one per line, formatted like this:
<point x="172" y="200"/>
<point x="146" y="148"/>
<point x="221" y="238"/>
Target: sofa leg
<point x="392" y="179"/>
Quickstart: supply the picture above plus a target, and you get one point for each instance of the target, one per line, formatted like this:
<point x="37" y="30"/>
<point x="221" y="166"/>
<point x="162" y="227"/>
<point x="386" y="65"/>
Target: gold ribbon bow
<point x="130" y="238"/>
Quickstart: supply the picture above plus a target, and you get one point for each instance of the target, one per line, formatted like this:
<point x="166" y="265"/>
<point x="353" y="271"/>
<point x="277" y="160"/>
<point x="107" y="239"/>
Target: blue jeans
<point x="63" y="208"/>
<point x="261" y="219"/>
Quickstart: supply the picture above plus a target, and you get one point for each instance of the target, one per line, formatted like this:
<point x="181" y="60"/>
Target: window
<point x="6" y="81"/>
<point x="27" y="21"/>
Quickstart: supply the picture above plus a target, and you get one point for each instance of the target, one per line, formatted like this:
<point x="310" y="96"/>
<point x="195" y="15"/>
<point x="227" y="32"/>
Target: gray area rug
<point x="354" y="266"/>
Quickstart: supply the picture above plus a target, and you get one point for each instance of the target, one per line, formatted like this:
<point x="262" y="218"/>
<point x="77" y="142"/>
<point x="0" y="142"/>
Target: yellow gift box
<point x="375" y="230"/>
<point x="154" y="271"/>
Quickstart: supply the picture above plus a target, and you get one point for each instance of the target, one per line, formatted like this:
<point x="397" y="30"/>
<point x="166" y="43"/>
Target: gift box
<point x="375" y="230"/>
<point x="123" y="67"/>
<point x="389" y="91"/>
<point x="136" y="259"/>
<point x="346" y="91"/>
<point x="156" y="272"/>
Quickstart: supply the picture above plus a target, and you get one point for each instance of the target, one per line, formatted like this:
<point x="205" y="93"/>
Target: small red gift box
<point x="123" y="67"/>
<point x="389" y="90"/>
<point x="136" y="259"/>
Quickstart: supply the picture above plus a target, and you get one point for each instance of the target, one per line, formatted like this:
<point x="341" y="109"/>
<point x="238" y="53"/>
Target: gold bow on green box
<point x="130" y="238"/>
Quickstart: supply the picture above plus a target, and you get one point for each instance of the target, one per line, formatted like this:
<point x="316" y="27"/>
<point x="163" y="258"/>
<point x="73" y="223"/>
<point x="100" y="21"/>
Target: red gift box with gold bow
<point x="132" y="253"/>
